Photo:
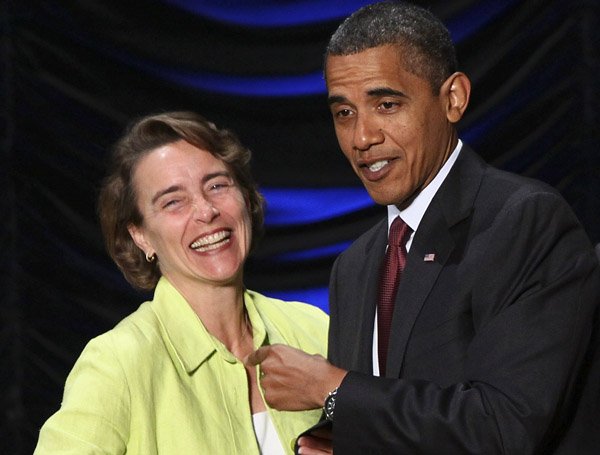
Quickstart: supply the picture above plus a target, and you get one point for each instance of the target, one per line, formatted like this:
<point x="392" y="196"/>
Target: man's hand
<point x="293" y="380"/>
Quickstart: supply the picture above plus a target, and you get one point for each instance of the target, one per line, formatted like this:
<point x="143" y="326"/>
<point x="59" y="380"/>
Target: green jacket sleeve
<point x="94" y="416"/>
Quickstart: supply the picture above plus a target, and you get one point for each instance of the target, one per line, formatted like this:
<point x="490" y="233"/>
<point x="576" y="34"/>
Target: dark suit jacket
<point x="491" y="343"/>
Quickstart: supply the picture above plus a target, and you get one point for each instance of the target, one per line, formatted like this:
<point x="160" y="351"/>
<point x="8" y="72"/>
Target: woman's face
<point x="195" y="218"/>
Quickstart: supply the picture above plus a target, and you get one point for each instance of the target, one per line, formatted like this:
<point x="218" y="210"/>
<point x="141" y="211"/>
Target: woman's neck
<point x="222" y="311"/>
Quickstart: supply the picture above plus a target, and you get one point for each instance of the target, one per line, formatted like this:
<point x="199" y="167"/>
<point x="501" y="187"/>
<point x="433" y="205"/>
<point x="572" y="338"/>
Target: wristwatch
<point x="329" y="405"/>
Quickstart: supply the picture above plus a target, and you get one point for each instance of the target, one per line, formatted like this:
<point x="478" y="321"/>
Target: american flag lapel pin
<point x="429" y="257"/>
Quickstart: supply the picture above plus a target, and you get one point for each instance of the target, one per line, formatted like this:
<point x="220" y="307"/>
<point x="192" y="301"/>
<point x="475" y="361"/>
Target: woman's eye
<point x="171" y="203"/>
<point x="219" y="186"/>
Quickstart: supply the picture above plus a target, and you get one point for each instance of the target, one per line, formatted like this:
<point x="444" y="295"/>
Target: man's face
<point x="391" y="127"/>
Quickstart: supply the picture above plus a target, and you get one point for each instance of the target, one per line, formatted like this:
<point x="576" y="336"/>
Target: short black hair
<point x="427" y="49"/>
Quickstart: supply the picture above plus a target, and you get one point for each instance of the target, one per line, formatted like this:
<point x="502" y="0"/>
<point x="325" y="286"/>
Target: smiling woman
<point x="195" y="217"/>
<point x="180" y="212"/>
<point x="151" y="143"/>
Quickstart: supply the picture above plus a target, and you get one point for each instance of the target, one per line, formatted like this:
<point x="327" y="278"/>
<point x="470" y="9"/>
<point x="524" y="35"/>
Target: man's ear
<point x="137" y="234"/>
<point x="456" y="91"/>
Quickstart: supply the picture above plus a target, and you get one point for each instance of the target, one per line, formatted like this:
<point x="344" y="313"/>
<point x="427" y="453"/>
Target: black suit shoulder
<point x="366" y="241"/>
<point x="497" y="326"/>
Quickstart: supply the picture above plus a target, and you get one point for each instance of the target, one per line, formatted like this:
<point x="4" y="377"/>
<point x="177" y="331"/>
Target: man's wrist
<point x="330" y="378"/>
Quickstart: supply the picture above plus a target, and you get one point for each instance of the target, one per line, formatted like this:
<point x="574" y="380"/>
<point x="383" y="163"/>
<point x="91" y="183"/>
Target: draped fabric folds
<point x="74" y="72"/>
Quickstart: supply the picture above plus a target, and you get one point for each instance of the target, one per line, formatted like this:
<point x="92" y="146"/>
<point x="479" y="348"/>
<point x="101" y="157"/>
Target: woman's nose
<point x="204" y="210"/>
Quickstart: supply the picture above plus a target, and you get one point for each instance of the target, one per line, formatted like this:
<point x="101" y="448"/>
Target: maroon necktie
<point x="391" y="270"/>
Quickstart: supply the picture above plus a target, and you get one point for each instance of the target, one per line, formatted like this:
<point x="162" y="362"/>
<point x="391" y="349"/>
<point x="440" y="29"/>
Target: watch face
<point x="329" y="406"/>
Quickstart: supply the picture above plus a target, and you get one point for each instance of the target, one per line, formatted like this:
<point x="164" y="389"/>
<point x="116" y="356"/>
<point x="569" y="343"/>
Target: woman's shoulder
<point x="288" y="309"/>
<point x="298" y="324"/>
<point x="131" y="337"/>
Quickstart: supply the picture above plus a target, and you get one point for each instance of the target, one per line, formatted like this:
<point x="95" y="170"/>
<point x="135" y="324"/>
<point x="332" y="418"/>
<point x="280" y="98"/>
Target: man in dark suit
<point x="494" y="328"/>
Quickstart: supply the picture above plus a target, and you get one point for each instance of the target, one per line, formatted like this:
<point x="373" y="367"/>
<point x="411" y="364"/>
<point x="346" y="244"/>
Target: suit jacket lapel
<point x="452" y="203"/>
<point x="418" y="280"/>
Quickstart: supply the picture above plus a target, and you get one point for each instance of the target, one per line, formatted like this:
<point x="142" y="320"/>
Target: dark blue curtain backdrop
<point x="74" y="72"/>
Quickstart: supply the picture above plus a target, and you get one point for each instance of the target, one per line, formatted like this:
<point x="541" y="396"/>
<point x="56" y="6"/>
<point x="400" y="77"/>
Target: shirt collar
<point x="191" y="343"/>
<point x="413" y="214"/>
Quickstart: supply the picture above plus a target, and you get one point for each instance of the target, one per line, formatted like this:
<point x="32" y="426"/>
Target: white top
<point x="412" y="216"/>
<point x="266" y="435"/>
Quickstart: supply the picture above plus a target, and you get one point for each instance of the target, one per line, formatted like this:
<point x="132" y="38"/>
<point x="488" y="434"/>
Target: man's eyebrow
<point x="386" y="91"/>
<point x="334" y="99"/>
<point x="375" y="92"/>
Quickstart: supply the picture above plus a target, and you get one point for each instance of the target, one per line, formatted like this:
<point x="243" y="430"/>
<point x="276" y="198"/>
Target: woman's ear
<point x="137" y="234"/>
<point x="456" y="91"/>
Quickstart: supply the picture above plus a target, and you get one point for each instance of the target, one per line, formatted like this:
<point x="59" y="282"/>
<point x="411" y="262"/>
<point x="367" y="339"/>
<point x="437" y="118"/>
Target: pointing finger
<point x="256" y="357"/>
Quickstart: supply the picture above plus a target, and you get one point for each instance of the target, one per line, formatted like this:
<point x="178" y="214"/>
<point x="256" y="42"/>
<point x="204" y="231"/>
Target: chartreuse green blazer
<point x="160" y="383"/>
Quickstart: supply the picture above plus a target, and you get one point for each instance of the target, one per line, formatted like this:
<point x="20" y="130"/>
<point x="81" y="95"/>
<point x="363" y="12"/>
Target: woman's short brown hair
<point x="117" y="205"/>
